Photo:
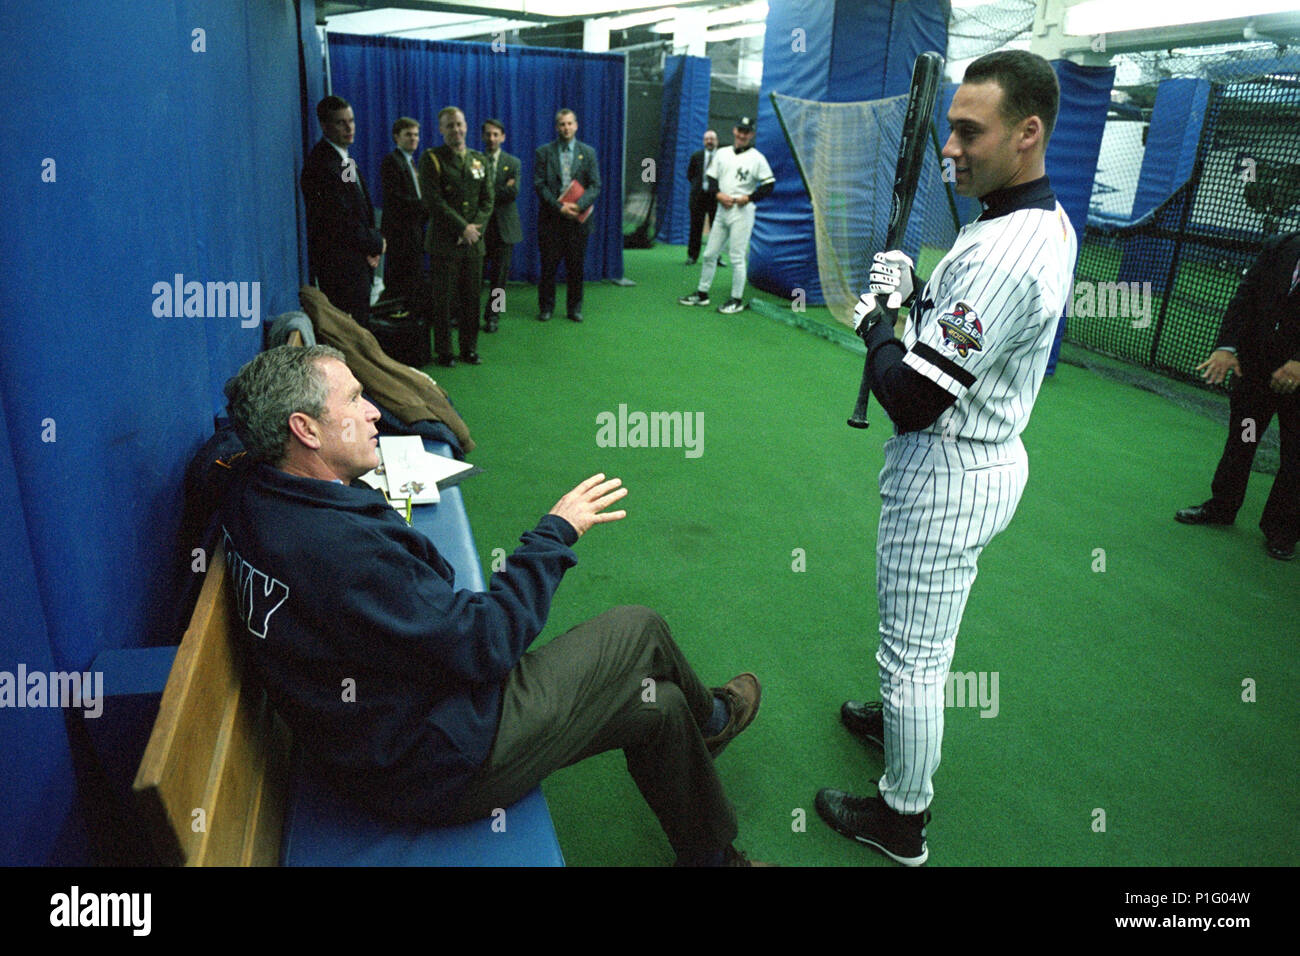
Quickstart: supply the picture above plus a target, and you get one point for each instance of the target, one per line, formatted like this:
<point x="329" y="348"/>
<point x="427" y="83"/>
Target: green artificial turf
<point x="1119" y="690"/>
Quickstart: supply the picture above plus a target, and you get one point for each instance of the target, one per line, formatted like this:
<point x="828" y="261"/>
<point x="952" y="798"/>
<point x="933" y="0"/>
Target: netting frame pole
<point x="794" y="156"/>
<point x="1191" y="186"/>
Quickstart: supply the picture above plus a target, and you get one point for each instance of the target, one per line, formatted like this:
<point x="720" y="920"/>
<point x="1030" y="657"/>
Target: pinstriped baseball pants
<point x="941" y="503"/>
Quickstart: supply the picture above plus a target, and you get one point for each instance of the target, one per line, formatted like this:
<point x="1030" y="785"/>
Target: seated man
<point x="417" y="699"/>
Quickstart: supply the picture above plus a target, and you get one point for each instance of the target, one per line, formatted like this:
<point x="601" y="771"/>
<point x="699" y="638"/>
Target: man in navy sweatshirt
<point x="419" y="700"/>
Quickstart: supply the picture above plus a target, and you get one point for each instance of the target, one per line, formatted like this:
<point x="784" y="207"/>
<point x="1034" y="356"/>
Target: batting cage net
<point x="1195" y="171"/>
<point x="846" y="153"/>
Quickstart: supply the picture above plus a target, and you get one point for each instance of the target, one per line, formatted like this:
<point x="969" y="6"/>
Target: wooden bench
<point x="212" y="781"/>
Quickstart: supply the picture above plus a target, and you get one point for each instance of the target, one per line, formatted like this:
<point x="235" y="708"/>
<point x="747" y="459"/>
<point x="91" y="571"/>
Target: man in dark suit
<point x="504" y="229"/>
<point x="343" y="245"/>
<point x="404" y="216"/>
<point x="560" y="231"/>
<point x="703" y="203"/>
<point x="458" y="195"/>
<point x="1259" y="340"/>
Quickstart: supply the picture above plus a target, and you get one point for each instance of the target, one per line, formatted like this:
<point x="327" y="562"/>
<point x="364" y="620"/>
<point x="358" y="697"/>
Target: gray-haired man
<point x="451" y="718"/>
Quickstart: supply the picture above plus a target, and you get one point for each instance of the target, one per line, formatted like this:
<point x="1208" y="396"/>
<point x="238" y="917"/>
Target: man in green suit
<point x="455" y="188"/>
<point x="504" y="229"/>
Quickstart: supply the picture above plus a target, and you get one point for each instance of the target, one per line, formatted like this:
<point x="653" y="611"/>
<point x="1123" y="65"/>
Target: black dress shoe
<point x="544" y="315"/>
<point x="470" y="358"/>
<point x="1282" y="552"/>
<point x="1199" y="514"/>
<point x="575" y="316"/>
<point x="446" y="361"/>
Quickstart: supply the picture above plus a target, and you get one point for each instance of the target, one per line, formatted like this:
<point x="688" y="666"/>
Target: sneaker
<point x="742" y="694"/>
<point x="695" y="298"/>
<point x="865" y="721"/>
<point x="731" y="306"/>
<point x="870" y="820"/>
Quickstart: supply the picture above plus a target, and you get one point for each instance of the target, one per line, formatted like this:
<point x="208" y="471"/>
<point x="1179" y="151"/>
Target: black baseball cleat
<point x="1199" y="514"/>
<point x="470" y="358"/>
<point x="869" y="820"/>
<point x="695" y="298"/>
<point x="544" y="315"/>
<point x="865" y="721"/>
<point x="1280" y="551"/>
<point x="446" y="361"/>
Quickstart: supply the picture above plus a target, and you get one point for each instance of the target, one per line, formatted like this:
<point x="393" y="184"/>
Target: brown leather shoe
<point x="742" y="694"/>
<point x="733" y="857"/>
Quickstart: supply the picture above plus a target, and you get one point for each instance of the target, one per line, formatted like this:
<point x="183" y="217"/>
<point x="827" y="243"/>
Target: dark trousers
<point x="618" y="681"/>
<point x="496" y="269"/>
<point x="702" y="205"/>
<point x="455" y="287"/>
<point x="1256" y="402"/>
<point x="561" y="239"/>
<point x="349" y="293"/>
<point x="404" y="274"/>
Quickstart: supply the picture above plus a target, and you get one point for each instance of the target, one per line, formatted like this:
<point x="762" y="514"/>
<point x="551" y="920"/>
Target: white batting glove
<point x="892" y="276"/>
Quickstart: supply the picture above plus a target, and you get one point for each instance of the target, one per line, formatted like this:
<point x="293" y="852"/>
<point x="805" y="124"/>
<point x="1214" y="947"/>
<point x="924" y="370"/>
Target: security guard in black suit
<point x="1259" y="340"/>
<point x="456" y="190"/>
<point x="703" y="203"/>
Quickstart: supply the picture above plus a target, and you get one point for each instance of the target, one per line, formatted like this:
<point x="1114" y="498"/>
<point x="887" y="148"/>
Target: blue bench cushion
<point x="320" y="831"/>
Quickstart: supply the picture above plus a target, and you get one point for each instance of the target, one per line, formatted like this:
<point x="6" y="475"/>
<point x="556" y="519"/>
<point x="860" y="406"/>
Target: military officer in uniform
<point x="456" y="190"/>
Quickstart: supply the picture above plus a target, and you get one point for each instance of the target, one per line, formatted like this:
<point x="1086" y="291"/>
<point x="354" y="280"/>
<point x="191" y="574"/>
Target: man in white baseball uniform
<point x="959" y="388"/>
<point x="739" y="176"/>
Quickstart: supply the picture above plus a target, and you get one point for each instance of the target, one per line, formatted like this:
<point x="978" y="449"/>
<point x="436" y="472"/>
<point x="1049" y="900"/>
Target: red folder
<point x="573" y="194"/>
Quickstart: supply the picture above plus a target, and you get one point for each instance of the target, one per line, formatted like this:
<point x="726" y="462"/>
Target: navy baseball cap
<point x="745" y="124"/>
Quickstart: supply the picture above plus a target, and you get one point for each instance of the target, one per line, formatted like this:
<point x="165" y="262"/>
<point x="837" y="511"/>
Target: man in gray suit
<point x="503" y="229"/>
<point x="561" y="233"/>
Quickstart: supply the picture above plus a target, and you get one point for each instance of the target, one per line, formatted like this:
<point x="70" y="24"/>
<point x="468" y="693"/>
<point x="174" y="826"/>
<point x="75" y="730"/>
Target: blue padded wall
<point x="685" y="119"/>
<point x="384" y="78"/>
<point x="1172" y="137"/>
<point x="872" y="47"/>
<point x="136" y="150"/>
<point x="1074" y="147"/>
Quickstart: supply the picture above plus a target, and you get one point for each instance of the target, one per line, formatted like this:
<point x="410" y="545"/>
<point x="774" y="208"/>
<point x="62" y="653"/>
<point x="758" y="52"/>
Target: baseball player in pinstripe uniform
<point x="959" y="388"/>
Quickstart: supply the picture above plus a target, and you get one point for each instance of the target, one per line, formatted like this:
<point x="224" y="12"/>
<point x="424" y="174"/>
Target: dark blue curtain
<point x="384" y="78"/>
<point x="184" y="161"/>
<point x="685" y="118"/>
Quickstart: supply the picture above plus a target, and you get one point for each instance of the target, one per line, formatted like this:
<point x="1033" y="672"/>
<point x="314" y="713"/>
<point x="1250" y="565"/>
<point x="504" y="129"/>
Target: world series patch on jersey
<point x="983" y="326"/>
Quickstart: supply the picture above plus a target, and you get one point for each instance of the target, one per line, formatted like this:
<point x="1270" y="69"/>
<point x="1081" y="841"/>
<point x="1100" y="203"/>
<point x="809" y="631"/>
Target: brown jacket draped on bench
<point x="407" y="393"/>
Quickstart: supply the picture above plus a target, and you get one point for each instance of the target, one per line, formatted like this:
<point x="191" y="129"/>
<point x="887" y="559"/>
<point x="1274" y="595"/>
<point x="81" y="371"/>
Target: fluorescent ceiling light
<point x="640" y="19"/>
<point x="1093" y="17"/>
<point x="740" y="13"/>
<point x="735" y="33"/>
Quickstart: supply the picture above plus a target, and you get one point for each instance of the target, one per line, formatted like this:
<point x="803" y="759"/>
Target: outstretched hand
<point x="1215" y="368"/>
<point x="585" y="505"/>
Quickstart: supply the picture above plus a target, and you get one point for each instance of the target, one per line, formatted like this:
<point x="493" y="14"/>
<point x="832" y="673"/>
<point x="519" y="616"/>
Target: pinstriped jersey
<point x="983" y="326"/>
